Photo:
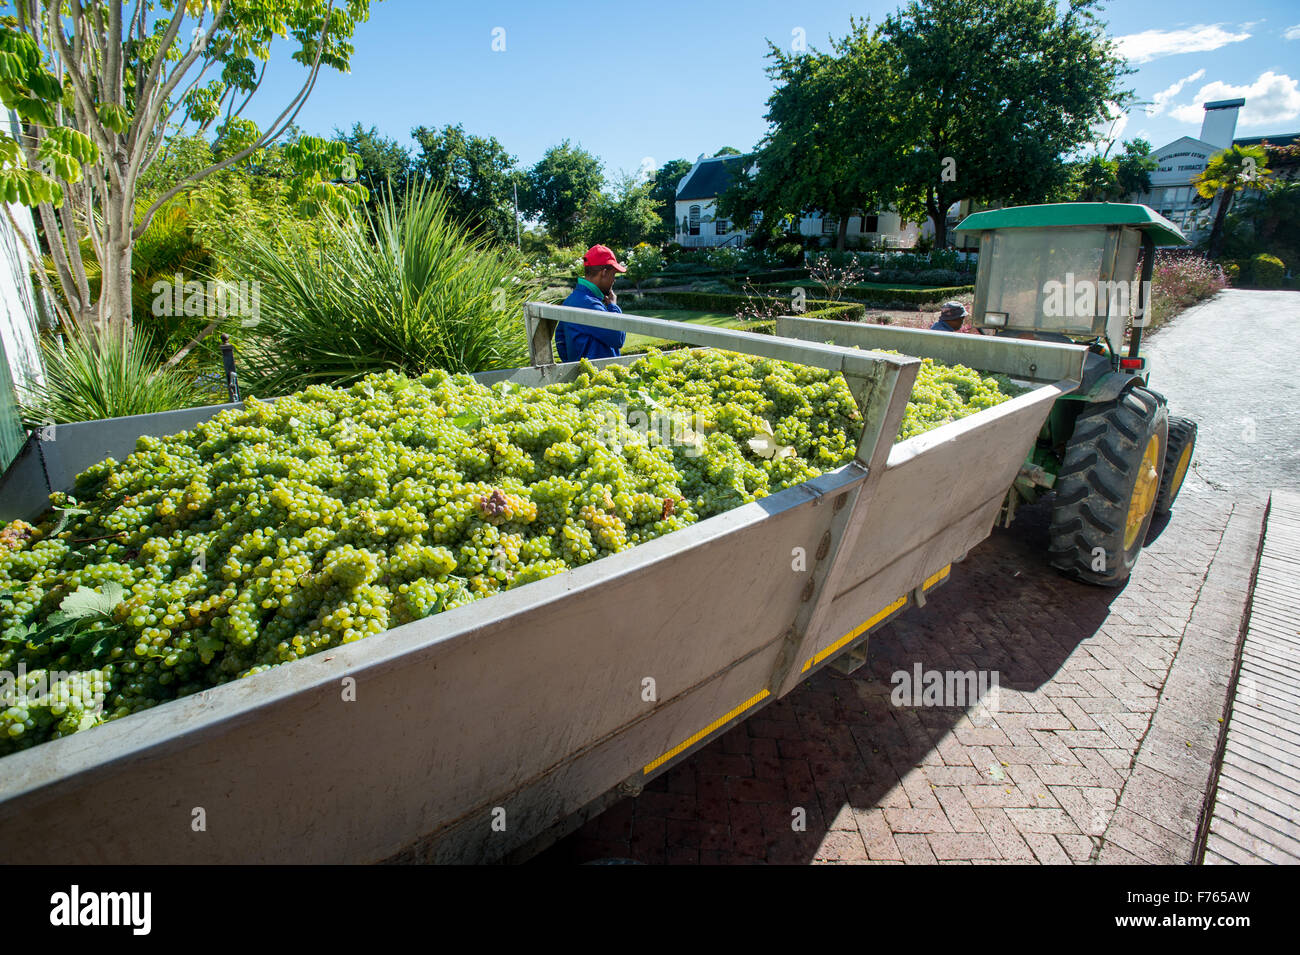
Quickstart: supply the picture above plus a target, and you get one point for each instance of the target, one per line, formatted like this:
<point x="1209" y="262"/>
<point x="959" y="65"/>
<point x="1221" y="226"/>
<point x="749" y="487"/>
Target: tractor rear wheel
<point x="1182" y="445"/>
<point x="1107" y="485"/>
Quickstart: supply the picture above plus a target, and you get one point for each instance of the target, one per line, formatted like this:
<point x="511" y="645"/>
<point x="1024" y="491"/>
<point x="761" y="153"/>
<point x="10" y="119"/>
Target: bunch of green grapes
<point x="274" y="531"/>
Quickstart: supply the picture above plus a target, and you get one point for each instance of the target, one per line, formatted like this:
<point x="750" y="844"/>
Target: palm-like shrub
<point x="406" y="288"/>
<point x="87" y="380"/>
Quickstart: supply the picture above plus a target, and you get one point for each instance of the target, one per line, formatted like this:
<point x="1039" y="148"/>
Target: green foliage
<point x="407" y="288"/>
<point x="663" y="193"/>
<point x="1235" y="169"/>
<point x="734" y="304"/>
<point x="88" y="380"/>
<point x="562" y="189"/>
<point x="1101" y="179"/>
<point x="383" y="164"/>
<point x="789" y="253"/>
<point x="1266" y="221"/>
<point x="946" y="100"/>
<point x="624" y="216"/>
<point x="1267" y="271"/>
<point x="475" y="173"/>
<point x="99" y="88"/>
<point x="642" y="262"/>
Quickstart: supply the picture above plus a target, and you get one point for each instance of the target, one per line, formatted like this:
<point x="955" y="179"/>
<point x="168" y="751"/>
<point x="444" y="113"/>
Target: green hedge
<point x="874" y="294"/>
<point x="1266" y="271"/>
<point x="719" y="302"/>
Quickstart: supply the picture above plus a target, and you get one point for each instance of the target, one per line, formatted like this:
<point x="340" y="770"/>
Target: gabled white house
<point x="699" y="225"/>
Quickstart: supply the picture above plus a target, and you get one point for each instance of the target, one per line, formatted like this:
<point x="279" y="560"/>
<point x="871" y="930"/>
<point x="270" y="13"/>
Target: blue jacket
<point x="584" y="341"/>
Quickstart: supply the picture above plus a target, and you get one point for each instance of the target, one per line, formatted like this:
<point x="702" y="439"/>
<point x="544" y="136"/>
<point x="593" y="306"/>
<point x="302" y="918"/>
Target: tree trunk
<point x="939" y="216"/>
<point x="841" y="237"/>
<point x="1216" y="231"/>
<point x="115" y="292"/>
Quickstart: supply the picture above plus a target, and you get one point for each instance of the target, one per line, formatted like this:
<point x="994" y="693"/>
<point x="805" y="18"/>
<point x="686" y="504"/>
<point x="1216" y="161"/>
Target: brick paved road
<point x="1066" y="766"/>
<point x="1038" y="780"/>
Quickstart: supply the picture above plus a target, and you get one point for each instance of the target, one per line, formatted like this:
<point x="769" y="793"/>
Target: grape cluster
<point x="274" y="531"/>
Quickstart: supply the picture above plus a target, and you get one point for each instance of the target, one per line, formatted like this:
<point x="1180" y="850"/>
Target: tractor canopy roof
<point x="1064" y="215"/>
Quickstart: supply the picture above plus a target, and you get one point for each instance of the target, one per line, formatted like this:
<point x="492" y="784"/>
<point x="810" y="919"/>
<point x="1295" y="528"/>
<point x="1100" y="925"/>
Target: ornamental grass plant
<point x="404" y="288"/>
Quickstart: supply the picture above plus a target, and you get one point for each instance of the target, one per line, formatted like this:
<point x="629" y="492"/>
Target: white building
<point x="1172" y="194"/>
<point x="699" y="225"/>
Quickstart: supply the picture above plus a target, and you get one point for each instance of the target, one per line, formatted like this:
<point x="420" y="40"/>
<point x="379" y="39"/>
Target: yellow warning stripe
<point x="820" y="656"/>
<point x="724" y="718"/>
<point x="857" y="631"/>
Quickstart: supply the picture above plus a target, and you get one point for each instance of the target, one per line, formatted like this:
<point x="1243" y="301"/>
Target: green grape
<point x="272" y="532"/>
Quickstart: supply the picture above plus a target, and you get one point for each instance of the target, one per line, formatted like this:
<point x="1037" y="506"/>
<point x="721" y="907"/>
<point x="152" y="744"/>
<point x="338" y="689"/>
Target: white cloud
<point x="1272" y="98"/>
<point x="1150" y="44"/>
<point x="1162" y="99"/>
<point x="1291" y="33"/>
<point x="1110" y="129"/>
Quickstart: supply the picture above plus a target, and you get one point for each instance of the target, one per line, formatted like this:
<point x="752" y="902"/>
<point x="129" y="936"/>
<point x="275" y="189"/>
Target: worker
<point x="951" y="317"/>
<point x="595" y="290"/>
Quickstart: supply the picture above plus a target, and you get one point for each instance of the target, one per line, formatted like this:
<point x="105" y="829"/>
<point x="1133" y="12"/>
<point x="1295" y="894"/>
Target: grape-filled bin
<point x="486" y="731"/>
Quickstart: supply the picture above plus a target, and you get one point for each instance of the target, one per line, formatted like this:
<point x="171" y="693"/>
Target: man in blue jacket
<point x="595" y="291"/>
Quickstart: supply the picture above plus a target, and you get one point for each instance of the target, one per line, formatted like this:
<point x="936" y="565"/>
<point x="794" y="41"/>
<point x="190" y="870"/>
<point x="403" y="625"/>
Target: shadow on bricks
<point x="857" y="773"/>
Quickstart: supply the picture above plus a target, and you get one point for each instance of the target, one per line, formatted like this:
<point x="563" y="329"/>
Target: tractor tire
<point x="1182" y="445"/>
<point x="1106" y="487"/>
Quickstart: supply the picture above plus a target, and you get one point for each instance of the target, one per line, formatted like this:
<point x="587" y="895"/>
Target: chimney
<point x="1220" y="123"/>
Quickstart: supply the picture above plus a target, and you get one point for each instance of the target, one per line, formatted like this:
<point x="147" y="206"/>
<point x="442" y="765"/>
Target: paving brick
<point x="952" y="775"/>
<point x="996" y="796"/>
<point x="876" y="834"/>
<point x="1041" y="820"/>
<point x="842" y="845"/>
<point x="1078" y="848"/>
<point x="1011" y="845"/>
<point x="758" y="790"/>
<point x="1046" y="849"/>
<point x="917" y="820"/>
<point x="959" y="812"/>
<point x="915" y="849"/>
<point x="952" y="846"/>
<point x="1178" y="845"/>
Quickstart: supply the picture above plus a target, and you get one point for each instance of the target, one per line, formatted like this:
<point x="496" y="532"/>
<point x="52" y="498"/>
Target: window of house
<point x="694" y="213"/>
<point x="830" y="226"/>
<point x="720" y="226"/>
<point x="871" y="223"/>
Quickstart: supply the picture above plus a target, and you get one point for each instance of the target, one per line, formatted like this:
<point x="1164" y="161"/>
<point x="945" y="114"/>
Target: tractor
<point x="1110" y="450"/>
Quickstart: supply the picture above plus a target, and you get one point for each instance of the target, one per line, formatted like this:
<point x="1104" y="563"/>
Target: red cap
<point x="601" y="255"/>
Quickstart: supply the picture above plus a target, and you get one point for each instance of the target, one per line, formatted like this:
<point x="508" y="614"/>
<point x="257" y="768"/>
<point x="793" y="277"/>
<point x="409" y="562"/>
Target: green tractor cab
<point x="1111" y="451"/>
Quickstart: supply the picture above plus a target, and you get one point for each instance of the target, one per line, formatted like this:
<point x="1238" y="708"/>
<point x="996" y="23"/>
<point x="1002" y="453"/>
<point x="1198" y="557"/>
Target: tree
<point x="476" y="174"/>
<point x="1228" y="173"/>
<point x="663" y="193"/>
<point x="562" y="189"/>
<point x="95" y="93"/>
<point x="1099" y="179"/>
<point x="1133" y="169"/>
<point x="828" y="149"/>
<point x="1265" y="222"/>
<point x="623" y="217"/>
<point x="727" y="151"/>
<point x="991" y="94"/>
<point x="383" y="164"/>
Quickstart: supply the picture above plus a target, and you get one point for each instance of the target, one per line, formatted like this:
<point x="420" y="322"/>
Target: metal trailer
<point x="485" y="732"/>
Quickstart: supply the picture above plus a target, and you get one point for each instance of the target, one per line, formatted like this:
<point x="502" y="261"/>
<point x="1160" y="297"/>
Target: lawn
<point x="637" y="343"/>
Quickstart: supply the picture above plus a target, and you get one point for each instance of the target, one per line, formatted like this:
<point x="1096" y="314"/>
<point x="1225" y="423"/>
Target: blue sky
<point x="638" y="83"/>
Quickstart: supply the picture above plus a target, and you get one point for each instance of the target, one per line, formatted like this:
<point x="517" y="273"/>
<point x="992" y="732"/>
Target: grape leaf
<point x="467" y="421"/>
<point x="84" y="602"/>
